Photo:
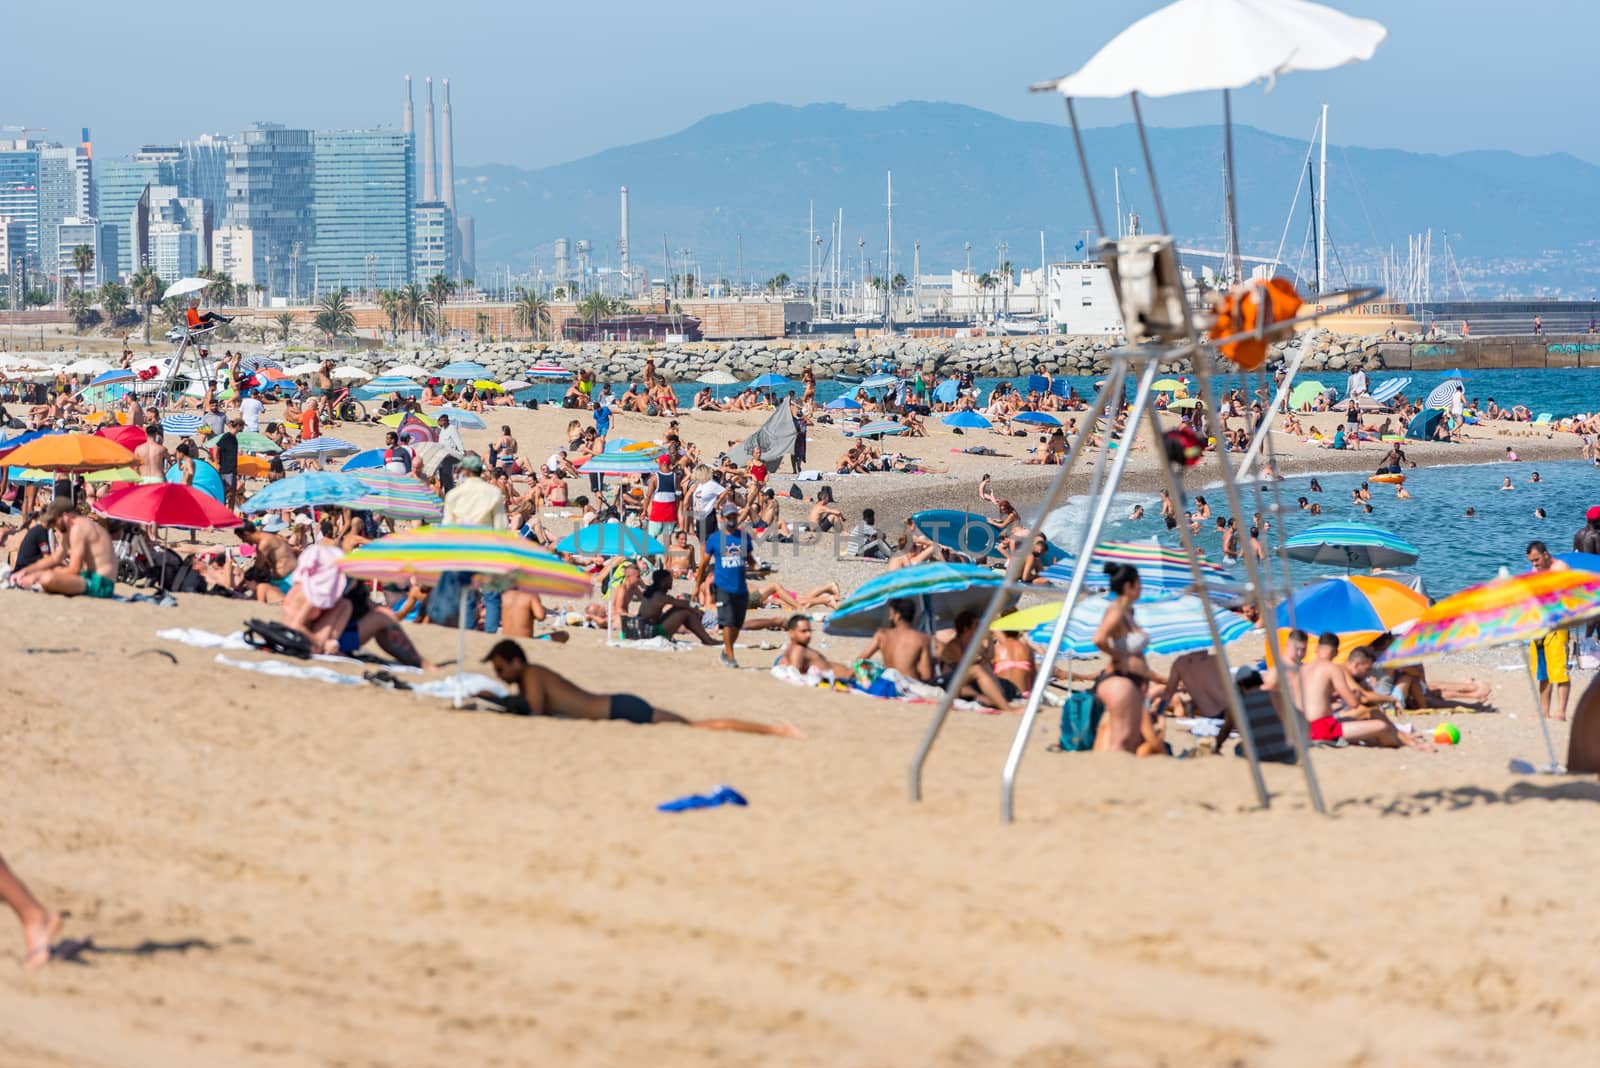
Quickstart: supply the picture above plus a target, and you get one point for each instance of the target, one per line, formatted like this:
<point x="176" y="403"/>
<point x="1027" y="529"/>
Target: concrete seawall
<point x="1490" y="353"/>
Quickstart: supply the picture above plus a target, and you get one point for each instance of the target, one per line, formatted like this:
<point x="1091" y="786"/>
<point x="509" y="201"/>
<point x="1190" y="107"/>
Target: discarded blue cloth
<point x="722" y="795"/>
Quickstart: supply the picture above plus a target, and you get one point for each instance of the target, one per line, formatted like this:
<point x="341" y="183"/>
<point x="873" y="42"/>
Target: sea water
<point x="1455" y="550"/>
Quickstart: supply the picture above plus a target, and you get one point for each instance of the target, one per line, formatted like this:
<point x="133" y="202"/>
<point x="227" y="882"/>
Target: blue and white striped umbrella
<point x="319" y="448"/>
<point x="881" y="428"/>
<point x="940" y="592"/>
<point x="462" y="418"/>
<point x="1351" y="545"/>
<point x="642" y="462"/>
<point x="393" y="384"/>
<point x="1389" y="390"/>
<point x="181" y="423"/>
<point x="310" y="489"/>
<point x="880" y="381"/>
<point x="259" y="363"/>
<point x="1157" y="580"/>
<point x="1175" y="625"/>
<point x="1440" y="396"/>
<point x="463" y="371"/>
<point x="1040" y="418"/>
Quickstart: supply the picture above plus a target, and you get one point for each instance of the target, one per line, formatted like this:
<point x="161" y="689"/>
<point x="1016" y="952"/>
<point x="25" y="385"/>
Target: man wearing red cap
<point x="1587" y="539"/>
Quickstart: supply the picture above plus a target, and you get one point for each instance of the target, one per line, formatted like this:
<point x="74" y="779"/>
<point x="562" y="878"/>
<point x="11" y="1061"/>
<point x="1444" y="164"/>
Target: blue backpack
<point x="1080" y="721"/>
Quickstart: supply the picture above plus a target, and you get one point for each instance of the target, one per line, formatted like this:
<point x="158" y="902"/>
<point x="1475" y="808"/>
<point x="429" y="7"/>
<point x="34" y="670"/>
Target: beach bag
<point x="271" y="637"/>
<point x="1080" y="721"/>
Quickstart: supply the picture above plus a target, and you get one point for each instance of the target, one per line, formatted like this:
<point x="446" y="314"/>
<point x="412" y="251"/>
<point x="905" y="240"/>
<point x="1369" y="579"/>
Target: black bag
<point x="276" y="638"/>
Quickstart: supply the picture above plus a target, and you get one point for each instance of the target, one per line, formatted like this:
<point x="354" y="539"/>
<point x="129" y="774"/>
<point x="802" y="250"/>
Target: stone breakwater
<point x="997" y="357"/>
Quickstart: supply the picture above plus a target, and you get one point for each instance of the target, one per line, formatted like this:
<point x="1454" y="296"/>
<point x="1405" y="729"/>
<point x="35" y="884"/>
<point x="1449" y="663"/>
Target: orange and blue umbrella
<point x="1358" y="608"/>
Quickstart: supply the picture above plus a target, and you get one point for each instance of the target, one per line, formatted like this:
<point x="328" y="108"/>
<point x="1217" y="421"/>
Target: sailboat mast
<point x="1322" y="208"/>
<point x="888" y="260"/>
<point x="1116" y="179"/>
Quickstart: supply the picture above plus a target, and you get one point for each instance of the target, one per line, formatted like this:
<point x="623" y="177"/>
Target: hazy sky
<point x="543" y="83"/>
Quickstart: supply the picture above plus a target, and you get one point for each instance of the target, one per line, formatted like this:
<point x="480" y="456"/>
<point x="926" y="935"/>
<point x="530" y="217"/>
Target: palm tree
<point x="173" y="311"/>
<point x="114" y="299"/>
<point x="439" y="289"/>
<point x="1005" y="280"/>
<point x="389" y="304"/>
<point x="284" y="321"/>
<point x="82" y="262"/>
<point x="81" y="305"/>
<point x="532" y="312"/>
<point x="899" y="281"/>
<point x="595" y="306"/>
<point x="334" y="317"/>
<point x="481" y="322"/>
<point x="412" y="302"/>
<point x="986" y="282"/>
<point x="146" y="287"/>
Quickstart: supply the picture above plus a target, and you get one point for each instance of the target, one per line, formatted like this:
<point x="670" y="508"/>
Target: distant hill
<point x="961" y="174"/>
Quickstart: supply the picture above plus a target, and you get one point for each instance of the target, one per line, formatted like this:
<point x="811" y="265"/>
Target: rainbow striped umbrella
<point x="394" y="419"/>
<point x="1351" y="545"/>
<point x="320" y="448"/>
<point x="398" y="497"/>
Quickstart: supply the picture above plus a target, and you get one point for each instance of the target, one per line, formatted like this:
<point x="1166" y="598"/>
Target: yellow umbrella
<point x="399" y="417"/>
<point x="1027" y="618"/>
<point x="1167" y="385"/>
<point x="70" y="452"/>
<point x="113" y="474"/>
<point x="643" y="446"/>
<point x="485" y="386"/>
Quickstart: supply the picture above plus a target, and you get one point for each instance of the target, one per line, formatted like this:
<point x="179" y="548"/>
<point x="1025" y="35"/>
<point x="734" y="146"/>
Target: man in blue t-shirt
<point x="727" y="555"/>
<point x="602" y="421"/>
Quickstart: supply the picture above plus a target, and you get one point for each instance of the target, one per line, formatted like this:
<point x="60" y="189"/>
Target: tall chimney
<point x="430" y="191"/>
<point x="410" y="121"/>
<point x="627" y="280"/>
<point x="447" y="175"/>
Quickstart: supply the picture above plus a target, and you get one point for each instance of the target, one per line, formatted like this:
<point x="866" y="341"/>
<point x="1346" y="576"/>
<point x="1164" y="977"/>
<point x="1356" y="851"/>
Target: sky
<point x="541" y="83"/>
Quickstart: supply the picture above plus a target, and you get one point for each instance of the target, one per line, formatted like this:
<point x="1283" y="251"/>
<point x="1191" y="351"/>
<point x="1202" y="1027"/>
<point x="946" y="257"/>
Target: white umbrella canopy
<point x="408" y="370"/>
<point x="302" y="368"/>
<point x="1198" y="45"/>
<point x="350" y="373"/>
<point x="185" y="286"/>
<point x="717" y="378"/>
<point x="87" y="366"/>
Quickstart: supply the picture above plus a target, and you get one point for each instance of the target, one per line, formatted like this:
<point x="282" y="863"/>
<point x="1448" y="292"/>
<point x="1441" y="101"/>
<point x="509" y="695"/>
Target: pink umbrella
<point x="167" y="504"/>
<point x="129" y="437"/>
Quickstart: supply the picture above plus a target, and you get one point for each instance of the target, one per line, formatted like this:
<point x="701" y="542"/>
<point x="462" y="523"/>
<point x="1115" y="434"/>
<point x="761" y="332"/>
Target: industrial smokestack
<point x="626" y="278"/>
<point x="447" y="176"/>
<point x="430" y="191"/>
<point x="410" y="118"/>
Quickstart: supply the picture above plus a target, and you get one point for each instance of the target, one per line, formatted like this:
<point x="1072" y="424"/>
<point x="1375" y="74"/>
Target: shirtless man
<point x="542" y="692"/>
<point x="799" y="655"/>
<point x="980" y="684"/>
<point x="1321" y="682"/>
<point x="83" y="563"/>
<point x="275" y="560"/>
<point x="901" y="645"/>
<point x="668" y="614"/>
<point x="152" y="456"/>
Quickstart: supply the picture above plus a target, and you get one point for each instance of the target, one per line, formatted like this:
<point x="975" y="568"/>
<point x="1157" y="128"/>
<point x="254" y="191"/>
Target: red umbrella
<point x="129" y="437"/>
<point x="167" y="504"/>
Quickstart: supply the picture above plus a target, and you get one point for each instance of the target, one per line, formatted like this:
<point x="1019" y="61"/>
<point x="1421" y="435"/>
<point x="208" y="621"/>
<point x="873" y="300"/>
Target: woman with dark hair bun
<point x="1124" y="685"/>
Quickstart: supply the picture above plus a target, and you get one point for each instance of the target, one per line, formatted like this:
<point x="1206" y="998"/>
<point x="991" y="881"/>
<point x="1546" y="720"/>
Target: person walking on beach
<point x="728" y="558"/>
<point x="39" y="925"/>
<point x="1547" y="656"/>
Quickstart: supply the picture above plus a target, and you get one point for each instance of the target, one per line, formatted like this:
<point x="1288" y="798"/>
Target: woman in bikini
<point x="1125" y="684"/>
<point x="1034" y="565"/>
<point x="1014" y="662"/>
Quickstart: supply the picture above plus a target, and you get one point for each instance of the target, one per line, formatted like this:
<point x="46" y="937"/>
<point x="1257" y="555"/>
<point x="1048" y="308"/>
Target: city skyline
<point x="598" y="89"/>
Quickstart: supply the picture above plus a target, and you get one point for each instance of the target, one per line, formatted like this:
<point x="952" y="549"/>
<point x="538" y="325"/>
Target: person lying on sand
<point x="83" y="564"/>
<point x="799" y="655"/>
<point x="40" y="926"/>
<point x="542" y="692"/>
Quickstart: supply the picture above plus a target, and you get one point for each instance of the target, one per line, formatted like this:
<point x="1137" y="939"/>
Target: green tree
<point x="284" y="321"/>
<point x="986" y="282"/>
<point x="146" y="287"/>
<point x="114" y="300"/>
<point x="594" y="307"/>
<point x="777" y="283"/>
<point x="899" y="281"/>
<point x="81" y="305"/>
<point x="415" y="310"/>
<point x="1005" y="281"/>
<point x="173" y="311"/>
<point x="82" y="262"/>
<point x="532" y="312"/>
<point x="440" y="287"/>
<point x="389" y="304"/>
<point x="334" y="316"/>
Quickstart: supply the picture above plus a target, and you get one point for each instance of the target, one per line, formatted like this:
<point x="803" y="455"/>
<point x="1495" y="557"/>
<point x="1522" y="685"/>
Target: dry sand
<point x="283" y="872"/>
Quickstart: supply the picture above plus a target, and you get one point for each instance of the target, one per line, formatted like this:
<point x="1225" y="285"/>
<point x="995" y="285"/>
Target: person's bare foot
<point x="786" y="729"/>
<point x="37" y="937"/>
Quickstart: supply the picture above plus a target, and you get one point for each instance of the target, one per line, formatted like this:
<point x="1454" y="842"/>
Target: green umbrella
<point x="252" y="442"/>
<point x="1305" y="393"/>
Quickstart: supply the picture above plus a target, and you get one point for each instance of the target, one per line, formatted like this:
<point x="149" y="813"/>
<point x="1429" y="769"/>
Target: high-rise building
<point x="117" y="188"/>
<point x="19" y="190"/>
<point x="65" y="188"/>
<point x="14" y="250"/>
<point x="233" y="253"/>
<point x="86" y="231"/>
<point x="362" y="209"/>
<point x="269" y="180"/>
<point x="170" y="232"/>
<point x="205" y="162"/>
<point x="433" y="244"/>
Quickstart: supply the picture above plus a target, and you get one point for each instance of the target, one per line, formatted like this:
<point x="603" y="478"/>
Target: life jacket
<point x="1242" y="309"/>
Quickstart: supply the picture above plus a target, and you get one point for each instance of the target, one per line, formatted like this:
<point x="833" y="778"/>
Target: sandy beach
<point x="276" y="871"/>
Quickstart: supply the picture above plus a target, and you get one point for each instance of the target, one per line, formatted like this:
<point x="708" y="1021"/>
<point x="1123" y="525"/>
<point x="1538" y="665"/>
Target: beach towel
<point x="282" y="670"/>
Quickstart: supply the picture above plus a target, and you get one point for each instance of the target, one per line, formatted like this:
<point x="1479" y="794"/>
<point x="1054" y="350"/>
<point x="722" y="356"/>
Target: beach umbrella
<point x="427" y="553"/>
<point x="1167" y="385"/>
<point x="30" y="474"/>
<point x="207" y="479"/>
<point x="306" y="368"/>
<point x="1175" y="625"/>
<point x="1439" y="396"/>
<point x="881" y="381"/>
<point x="366" y="460"/>
<point x="1186" y="403"/>
<point x="1457" y="373"/>
<point x="966" y="420"/>
<point x="415" y="429"/>
<point x="718" y="377"/>
<point x="432" y="454"/>
<point x="1350" y="545"/>
<point x="253" y="466"/>
<point x="257" y="443"/>
<point x="881" y="428"/>
<point x="398" y="497"/>
<point x="184" y="286"/>
<point x="320" y="448"/>
<point x="1389" y="390"/>
<point x="68" y="452"/>
<point x="1156" y="580"/>
<point x="947" y="391"/>
<point x="11" y="444"/>
<point x="1246" y="41"/>
<point x="1503" y="611"/>
<point x="515" y="385"/>
<point x="1037" y="418"/>
<point x="1305" y="393"/>
<point x="843" y="404"/>
<point x="770" y="381"/>
<point x="619" y="463"/>
<point x="112" y="377"/>
<point x="259" y="363"/>
<point x="610" y="539"/>
<point x="113" y="475"/>
<point x="394" y="419"/>
<point x="939" y="591"/>
<point x="548" y="370"/>
<point x="308" y="489"/>
<point x="462" y="371"/>
<point x="392" y="384"/>
<point x="87" y="366"/>
<point x="487" y="385"/>
<point x="349" y="373"/>
<point x="167" y="504"/>
<point x="408" y="370"/>
<point x="462" y="418"/>
<point x="1577" y="561"/>
<point x="1358" y="608"/>
<point x="181" y="423"/>
<point x="129" y="437"/>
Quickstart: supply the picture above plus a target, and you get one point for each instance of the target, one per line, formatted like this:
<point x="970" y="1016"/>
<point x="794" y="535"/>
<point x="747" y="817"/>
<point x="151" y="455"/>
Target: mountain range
<point x="1516" y="225"/>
